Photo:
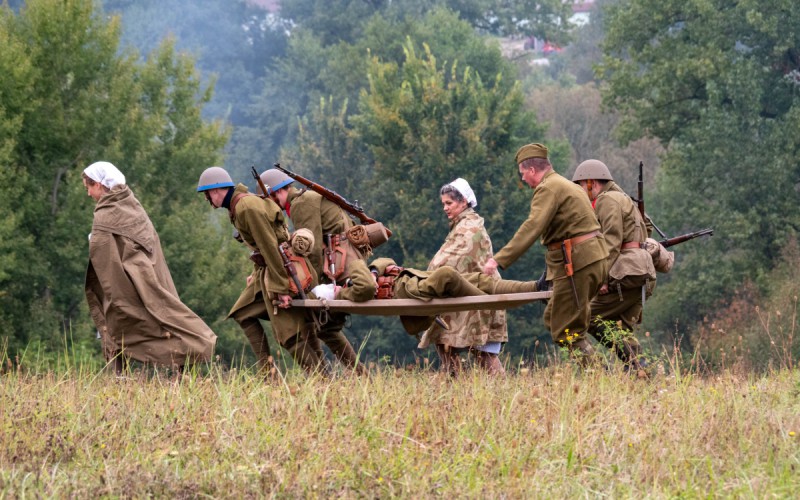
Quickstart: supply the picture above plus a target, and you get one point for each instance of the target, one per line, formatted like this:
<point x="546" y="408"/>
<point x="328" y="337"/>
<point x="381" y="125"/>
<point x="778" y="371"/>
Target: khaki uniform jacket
<point x="559" y="210"/>
<point x="131" y="295"/>
<point x="310" y="210"/>
<point x="621" y="223"/>
<point x="466" y="248"/>
<point x="261" y="224"/>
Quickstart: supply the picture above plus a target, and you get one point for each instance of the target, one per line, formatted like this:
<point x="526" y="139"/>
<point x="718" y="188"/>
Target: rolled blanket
<point x="302" y="242"/>
<point x="358" y="237"/>
<point x="663" y="259"/>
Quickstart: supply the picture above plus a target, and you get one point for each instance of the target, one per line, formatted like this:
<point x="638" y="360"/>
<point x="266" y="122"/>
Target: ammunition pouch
<point x="335" y="254"/>
<point x="304" y="275"/>
<point x="385" y="288"/>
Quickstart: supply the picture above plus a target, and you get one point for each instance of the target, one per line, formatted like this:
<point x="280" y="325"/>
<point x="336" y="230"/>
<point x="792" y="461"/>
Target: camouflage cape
<point x="466" y="248"/>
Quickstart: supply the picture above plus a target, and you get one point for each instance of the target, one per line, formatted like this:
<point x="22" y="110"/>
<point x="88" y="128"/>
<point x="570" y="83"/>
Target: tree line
<point x="384" y="102"/>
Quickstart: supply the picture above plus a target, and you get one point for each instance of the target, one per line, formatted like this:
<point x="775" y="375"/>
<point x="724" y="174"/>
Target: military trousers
<point x="332" y="336"/>
<point x="623" y="306"/>
<point x="249" y="319"/>
<point x="563" y="316"/>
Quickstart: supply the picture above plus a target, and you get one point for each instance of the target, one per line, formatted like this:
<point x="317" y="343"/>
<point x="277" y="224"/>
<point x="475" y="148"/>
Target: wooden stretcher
<point x="432" y="307"/>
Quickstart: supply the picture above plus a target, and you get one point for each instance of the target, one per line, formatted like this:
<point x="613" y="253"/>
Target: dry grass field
<point x="546" y="432"/>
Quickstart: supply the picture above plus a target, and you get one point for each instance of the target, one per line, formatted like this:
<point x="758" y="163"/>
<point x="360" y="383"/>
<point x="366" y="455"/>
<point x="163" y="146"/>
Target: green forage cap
<point x="534" y="150"/>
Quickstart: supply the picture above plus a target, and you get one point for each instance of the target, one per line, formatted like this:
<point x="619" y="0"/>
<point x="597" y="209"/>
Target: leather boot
<point x="305" y="349"/>
<point x="489" y="362"/>
<point x="630" y="352"/>
<point x="450" y="360"/>
<point x="584" y="354"/>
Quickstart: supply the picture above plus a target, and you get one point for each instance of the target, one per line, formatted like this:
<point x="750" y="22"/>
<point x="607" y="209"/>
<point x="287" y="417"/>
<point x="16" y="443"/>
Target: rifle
<point x="264" y="189"/>
<point x="352" y="208"/>
<point x="668" y="242"/>
<point x="640" y="200"/>
<point x="640" y="189"/>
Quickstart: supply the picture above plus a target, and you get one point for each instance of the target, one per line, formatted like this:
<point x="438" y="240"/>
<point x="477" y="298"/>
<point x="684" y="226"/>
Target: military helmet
<point x="274" y="179"/>
<point x="592" y="169"/>
<point x="214" y="177"/>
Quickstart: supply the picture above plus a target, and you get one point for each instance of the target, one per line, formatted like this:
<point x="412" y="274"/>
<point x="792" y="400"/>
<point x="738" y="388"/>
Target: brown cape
<point x="131" y="295"/>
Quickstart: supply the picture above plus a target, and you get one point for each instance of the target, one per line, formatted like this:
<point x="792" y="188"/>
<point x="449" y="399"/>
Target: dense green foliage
<point x="69" y="97"/>
<point x="436" y="103"/>
<point x="718" y="82"/>
<point x="384" y="102"/>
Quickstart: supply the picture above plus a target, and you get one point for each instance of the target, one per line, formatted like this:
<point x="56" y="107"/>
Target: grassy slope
<point x="547" y="433"/>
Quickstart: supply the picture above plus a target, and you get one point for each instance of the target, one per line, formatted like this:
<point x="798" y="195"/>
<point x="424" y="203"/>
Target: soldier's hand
<point x="603" y="289"/>
<point x="490" y="267"/>
<point x="284" y="301"/>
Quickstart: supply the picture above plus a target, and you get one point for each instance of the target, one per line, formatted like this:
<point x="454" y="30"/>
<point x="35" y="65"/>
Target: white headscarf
<point x="462" y="186"/>
<point x="105" y="173"/>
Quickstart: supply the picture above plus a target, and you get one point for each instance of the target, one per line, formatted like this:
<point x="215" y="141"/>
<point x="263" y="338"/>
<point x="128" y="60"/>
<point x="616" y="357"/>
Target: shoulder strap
<point x="235" y="201"/>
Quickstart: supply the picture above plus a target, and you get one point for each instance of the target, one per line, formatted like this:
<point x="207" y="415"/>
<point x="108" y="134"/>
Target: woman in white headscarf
<point x="466" y="248"/>
<point x="131" y="295"/>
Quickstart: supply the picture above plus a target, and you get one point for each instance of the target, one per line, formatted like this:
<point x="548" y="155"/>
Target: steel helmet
<point x="592" y="169"/>
<point x="214" y="177"/>
<point x="274" y="179"/>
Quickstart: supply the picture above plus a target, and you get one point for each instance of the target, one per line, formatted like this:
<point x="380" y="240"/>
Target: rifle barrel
<point x="668" y="242"/>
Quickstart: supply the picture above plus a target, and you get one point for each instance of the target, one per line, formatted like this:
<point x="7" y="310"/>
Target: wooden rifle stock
<point x="351" y="208"/>
<point x="264" y="189"/>
<point x="668" y="242"/>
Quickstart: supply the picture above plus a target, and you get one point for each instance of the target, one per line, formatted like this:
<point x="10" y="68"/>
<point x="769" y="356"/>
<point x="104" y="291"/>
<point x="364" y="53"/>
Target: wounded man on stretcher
<point x="394" y="282"/>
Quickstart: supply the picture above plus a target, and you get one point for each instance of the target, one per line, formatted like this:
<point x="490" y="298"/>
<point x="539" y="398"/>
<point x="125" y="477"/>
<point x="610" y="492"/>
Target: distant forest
<point x="385" y="101"/>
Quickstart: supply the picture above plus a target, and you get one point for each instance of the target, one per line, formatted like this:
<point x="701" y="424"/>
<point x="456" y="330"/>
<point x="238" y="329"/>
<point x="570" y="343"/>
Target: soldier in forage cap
<point x="562" y="217"/>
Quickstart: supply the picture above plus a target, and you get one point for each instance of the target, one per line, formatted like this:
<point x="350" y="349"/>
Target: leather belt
<point x="631" y="244"/>
<point x="577" y="240"/>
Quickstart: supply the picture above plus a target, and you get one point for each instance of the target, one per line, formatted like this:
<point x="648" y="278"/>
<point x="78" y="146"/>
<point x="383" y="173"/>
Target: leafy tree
<point x="717" y="81"/>
<point x="325" y="57"/>
<point x="427" y="117"/>
<point x="343" y="20"/>
<point x="574" y="115"/>
<point x="69" y="96"/>
<point x="236" y="46"/>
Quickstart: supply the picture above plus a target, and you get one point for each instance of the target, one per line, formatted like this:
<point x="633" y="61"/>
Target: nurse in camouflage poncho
<point x="466" y="248"/>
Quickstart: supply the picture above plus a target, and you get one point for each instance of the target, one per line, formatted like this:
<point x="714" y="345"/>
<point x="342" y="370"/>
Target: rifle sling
<point x="235" y="201"/>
